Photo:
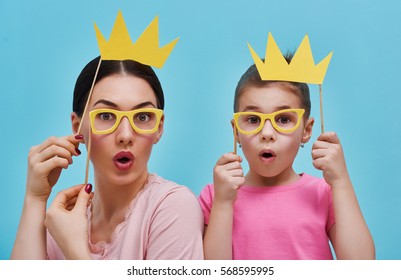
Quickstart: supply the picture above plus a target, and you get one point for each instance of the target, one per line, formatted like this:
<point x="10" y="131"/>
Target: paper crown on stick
<point x="302" y="67"/>
<point x="145" y="50"/>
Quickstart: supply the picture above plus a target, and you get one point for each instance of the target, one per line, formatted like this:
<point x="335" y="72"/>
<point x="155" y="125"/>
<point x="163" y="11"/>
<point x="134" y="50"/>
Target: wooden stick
<point x="235" y="139"/>
<point x="321" y="107"/>
<point x="88" y="158"/>
<point x="89" y="96"/>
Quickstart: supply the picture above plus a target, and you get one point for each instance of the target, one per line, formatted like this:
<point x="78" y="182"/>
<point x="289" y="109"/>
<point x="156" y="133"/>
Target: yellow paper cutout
<point x="145" y="50"/>
<point x="301" y="69"/>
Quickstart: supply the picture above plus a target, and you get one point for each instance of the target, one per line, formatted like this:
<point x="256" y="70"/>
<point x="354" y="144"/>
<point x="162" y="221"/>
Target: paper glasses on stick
<point x="301" y="69"/>
<point x="145" y="50"/>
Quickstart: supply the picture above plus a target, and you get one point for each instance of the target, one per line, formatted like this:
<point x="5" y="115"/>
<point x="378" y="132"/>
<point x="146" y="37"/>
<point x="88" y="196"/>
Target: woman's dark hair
<point x="108" y="68"/>
<point x="251" y="78"/>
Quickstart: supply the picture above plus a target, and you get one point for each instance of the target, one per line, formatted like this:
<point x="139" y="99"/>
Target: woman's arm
<point x="45" y="163"/>
<point x="174" y="228"/>
<point x="30" y="242"/>
<point x="350" y="235"/>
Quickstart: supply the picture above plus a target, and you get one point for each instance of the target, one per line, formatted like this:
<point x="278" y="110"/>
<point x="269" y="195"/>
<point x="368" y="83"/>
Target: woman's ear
<point x="159" y="131"/>
<point x="75" y="121"/>
<point x="307" y="134"/>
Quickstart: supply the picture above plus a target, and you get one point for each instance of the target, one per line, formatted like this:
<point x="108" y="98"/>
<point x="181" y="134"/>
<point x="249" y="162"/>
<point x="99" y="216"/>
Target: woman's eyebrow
<point x="113" y="105"/>
<point x="144" y="104"/>
<point x="105" y="102"/>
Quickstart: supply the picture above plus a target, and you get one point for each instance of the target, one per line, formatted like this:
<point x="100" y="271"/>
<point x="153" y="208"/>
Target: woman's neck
<point x="110" y="198"/>
<point x="110" y="204"/>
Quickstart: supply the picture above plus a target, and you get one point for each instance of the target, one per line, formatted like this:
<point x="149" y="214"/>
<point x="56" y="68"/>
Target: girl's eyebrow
<point x="250" y="108"/>
<point x="113" y="105"/>
<point x="256" y="108"/>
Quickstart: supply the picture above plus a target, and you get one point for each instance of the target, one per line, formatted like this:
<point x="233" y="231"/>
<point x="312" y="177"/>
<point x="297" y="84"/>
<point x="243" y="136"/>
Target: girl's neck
<point x="284" y="178"/>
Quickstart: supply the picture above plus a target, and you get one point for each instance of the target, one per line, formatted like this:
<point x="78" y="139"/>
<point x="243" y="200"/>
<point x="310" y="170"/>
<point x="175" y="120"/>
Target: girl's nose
<point x="268" y="132"/>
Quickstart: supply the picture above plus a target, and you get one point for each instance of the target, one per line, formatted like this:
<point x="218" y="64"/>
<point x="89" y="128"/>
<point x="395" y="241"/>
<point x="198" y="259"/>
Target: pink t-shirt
<point x="164" y="222"/>
<point x="280" y="222"/>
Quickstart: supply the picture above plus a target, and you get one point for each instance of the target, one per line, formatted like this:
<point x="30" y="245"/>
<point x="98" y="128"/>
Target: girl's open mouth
<point x="267" y="156"/>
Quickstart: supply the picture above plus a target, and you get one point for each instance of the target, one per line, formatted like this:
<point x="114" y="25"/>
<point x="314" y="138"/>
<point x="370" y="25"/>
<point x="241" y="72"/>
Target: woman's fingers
<point x="76" y="196"/>
<point x="69" y="143"/>
<point x="62" y="198"/>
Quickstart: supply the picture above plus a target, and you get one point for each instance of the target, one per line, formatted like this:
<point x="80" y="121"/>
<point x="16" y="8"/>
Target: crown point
<point x="146" y="49"/>
<point x="301" y="69"/>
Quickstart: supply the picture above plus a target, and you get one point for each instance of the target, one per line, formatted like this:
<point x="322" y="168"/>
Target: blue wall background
<point x="45" y="44"/>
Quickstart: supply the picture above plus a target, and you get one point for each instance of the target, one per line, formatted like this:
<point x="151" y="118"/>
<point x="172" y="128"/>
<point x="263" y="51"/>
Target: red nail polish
<point x="79" y="137"/>
<point x="78" y="151"/>
<point x="88" y="188"/>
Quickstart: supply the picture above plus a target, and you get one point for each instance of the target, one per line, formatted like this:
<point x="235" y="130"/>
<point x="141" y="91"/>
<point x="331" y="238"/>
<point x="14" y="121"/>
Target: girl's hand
<point x="328" y="156"/>
<point x="66" y="220"/>
<point x="45" y="163"/>
<point x="228" y="176"/>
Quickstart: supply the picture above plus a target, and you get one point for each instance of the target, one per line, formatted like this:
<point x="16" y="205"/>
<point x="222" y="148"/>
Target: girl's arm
<point x="217" y="240"/>
<point x="45" y="163"/>
<point x="349" y="235"/>
<point x="228" y="177"/>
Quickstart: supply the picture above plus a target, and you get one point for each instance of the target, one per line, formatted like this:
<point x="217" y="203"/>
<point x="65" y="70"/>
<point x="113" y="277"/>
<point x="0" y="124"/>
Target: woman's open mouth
<point x="123" y="160"/>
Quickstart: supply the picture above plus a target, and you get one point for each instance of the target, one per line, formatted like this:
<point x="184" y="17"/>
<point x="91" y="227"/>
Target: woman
<point x="133" y="214"/>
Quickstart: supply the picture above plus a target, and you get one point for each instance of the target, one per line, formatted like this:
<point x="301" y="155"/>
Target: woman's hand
<point x="328" y="156"/>
<point x="45" y="163"/>
<point x="66" y="220"/>
<point x="228" y="176"/>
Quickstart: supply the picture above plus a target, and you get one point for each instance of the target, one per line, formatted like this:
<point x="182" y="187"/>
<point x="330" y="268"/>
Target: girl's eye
<point x="253" y="119"/>
<point x="286" y="118"/>
<point x="283" y="120"/>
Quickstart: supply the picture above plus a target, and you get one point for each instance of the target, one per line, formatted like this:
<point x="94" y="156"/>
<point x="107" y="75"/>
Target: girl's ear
<point x="159" y="131"/>
<point x="307" y="134"/>
<point x="75" y="121"/>
<point x="235" y="132"/>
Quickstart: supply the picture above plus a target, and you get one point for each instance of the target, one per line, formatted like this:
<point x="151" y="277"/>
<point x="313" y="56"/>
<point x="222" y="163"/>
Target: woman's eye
<point x="105" y="116"/>
<point x="143" y="117"/>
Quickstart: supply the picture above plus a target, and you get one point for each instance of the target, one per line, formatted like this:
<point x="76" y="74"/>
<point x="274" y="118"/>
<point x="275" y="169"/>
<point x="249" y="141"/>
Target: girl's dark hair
<point x="251" y="78"/>
<point x="108" y="68"/>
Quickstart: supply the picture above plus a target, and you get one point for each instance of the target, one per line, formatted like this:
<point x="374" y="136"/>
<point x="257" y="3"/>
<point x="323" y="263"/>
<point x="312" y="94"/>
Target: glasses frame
<point x="271" y="116"/>
<point x="129" y="114"/>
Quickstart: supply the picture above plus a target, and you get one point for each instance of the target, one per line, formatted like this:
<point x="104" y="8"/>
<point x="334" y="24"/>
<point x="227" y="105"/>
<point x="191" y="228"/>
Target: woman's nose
<point x="125" y="132"/>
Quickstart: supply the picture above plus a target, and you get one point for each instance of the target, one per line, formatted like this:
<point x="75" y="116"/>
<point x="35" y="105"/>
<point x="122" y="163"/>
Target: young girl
<point x="272" y="212"/>
<point x="133" y="214"/>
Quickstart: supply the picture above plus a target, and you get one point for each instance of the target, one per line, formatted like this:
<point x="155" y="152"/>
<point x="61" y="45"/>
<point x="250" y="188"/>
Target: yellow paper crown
<point x="301" y="69"/>
<point x="146" y="49"/>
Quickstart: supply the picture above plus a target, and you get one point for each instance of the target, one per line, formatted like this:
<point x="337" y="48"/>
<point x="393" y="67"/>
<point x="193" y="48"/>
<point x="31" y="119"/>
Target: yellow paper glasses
<point x="145" y="120"/>
<point x="285" y="121"/>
